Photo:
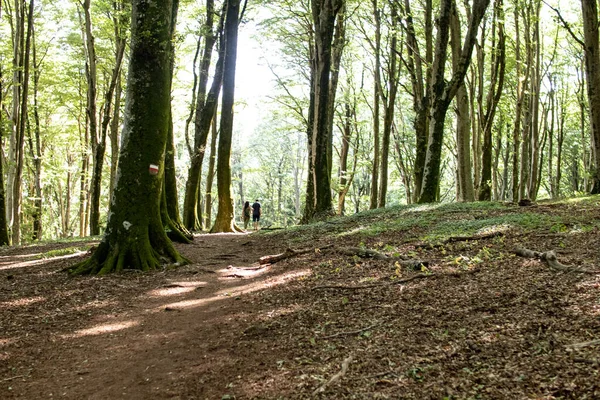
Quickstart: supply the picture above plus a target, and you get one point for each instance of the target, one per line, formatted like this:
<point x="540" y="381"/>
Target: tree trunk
<point x="420" y="83"/>
<point x="224" y="220"/>
<point x="464" y="189"/>
<point x="390" y="105"/>
<point x="443" y="93"/>
<point x="324" y="16"/>
<point x="20" y="140"/>
<point x="97" y="143"/>
<point x="210" y="174"/>
<point x="376" y="101"/>
<point x="592" y="66"/>
<point x="135" y="237"/>
<point x="35" y="148"/>
<point x="4" y="239"/>
<point x="206" y="107"/>
<point x="493" y="99"/>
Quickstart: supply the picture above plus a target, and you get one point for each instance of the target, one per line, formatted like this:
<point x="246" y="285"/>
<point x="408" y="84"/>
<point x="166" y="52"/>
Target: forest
<point x="426" y="101"/>
<point x="429" y="180"/>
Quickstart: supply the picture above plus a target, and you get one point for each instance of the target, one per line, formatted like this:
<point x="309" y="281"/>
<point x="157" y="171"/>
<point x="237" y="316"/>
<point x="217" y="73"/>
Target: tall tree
<point x="224" y="221"/>
<point x="498" y="63"/>
<point x="4" y="238"/>
<point x="443" y="92"/>
<point x="205" y="111"/>
<point x="135" y="237"/>
<point x="389" y="102"/>
<point x="324" y="14"/>
<point x="591" y="26"/>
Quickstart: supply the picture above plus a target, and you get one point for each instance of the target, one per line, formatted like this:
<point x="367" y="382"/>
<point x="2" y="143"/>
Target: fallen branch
<point x="351" y="332"/>
<point x="583" y="344"/>
<point x="13" y="377"/>
<point x="272" y="259"/>
<point x="336" y="377"/>
<point x="454" y="239"/>
<point x="550" y="258"/>
<point x="359" y="287"/>
<point x="369" y="253"/>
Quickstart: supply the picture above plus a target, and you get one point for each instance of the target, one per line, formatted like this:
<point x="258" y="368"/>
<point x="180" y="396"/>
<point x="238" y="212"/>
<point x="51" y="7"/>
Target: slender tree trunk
<point x="376" y="106"/>
<point x="4" y="239"/>
<point x="98" y="145"/>
<point x="205" y="113"/>
<point x="36" y="150"/>
<point x="390" y="105"/>
<point x="20" y="142"/>
<point x="492" y="101"/>
<point x="210" y="174"/>
<point x="224" y="221"/>
<point x="324" y="16"/>
<point x="464" y="190"/>
<point x="592" y="65"/>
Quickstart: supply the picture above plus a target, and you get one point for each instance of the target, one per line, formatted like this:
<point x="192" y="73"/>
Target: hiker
<point x="256" y="214"/>
<point x="246" y="214"/>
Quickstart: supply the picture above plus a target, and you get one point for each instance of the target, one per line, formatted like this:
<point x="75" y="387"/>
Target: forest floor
<point x="334" y="320"/>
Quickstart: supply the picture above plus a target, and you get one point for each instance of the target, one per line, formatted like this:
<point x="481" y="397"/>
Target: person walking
<point x="256" y="214"/>
<point x="246" y="214"/>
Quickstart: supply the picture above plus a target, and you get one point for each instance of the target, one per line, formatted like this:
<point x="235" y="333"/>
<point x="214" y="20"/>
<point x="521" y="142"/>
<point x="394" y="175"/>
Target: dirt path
<point x="129" y="337"/>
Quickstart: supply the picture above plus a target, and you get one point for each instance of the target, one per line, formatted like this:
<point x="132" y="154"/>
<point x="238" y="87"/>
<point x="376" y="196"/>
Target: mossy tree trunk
<point x="135" y="237"/>
<point x="443" y="92"/>
<point x="224" y="219"/>
<point x="169" y="200"/>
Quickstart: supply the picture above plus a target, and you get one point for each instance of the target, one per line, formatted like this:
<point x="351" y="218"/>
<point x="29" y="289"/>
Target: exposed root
<point x="336" y="377"/>
<point x="359" y="287"/>
<point x="139" y="253"/>
<point x="288" y="253"/>
<point x="351" y="333"/>
<point x="551" y="260"/>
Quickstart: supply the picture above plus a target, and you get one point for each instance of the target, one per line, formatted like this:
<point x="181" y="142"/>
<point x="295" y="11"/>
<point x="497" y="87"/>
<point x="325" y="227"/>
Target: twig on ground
<point x="454" y="239"/>
<point x="359" y="287"/>
<point x="550" y="258"/>
<point x="583" y="344"/>
<point x="351" y="332"/>
<point x="336" y="377"/>
<point x="13" y="377"/>
<point x="272" y="259"/>
<point x="379" y="375"/>
<point x="369" y="253"/>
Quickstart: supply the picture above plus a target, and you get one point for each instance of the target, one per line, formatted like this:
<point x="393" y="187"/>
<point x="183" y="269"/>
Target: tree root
<point x="336" y="377"/>
<point x="583" y="344"/>
<point x="454" y="239"/>
<point x="138" y="254"/>
<point x="550" y="258"/>
<point x="369" y="253"/>
<point x="288" y="253"/>
<point x="351" y="332"/>
<point x="360" y="287"/>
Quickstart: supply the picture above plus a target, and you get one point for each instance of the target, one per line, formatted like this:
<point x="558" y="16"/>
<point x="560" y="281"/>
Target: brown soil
<point x="481" y="324"/>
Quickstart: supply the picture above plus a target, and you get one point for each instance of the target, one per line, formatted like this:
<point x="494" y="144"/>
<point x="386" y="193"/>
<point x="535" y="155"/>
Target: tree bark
<point x="592" y="66"/>
<point x="324" y="16"/>
<point x="4" y="238"/>
<point x="206" y="106"/>
<point x="492" y="101"/>
<point x="135" y="237"/>
<point x="390" y="106"/>
<point x="224" y="221"/>
<point x="443" y="93"/>
<point x="464" y="189"/>
<point x="376" y="108"/>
